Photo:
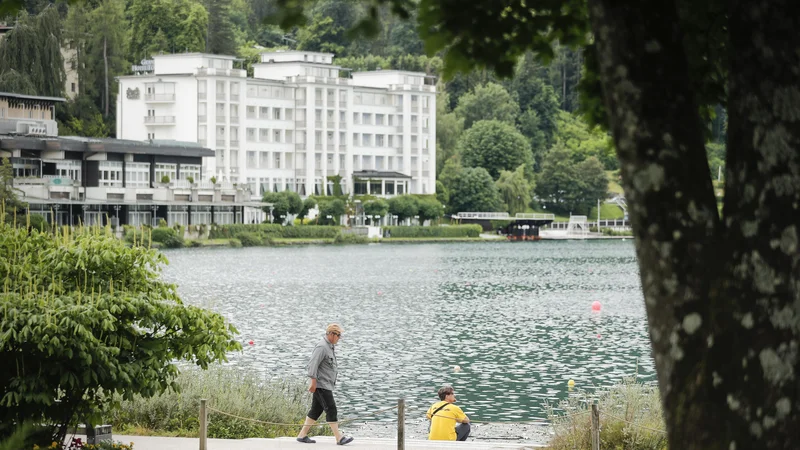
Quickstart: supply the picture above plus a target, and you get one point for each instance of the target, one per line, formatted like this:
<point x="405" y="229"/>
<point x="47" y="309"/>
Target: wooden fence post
<point x="595" y="427"/>
<point x="401" y="424"/>
<point x="203" y="425"/>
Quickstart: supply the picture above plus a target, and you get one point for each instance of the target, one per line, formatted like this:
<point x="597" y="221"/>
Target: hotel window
<point x="276" y="113"/>
<point x="110" y="173"/>
<point x="73" y="87"/>
<point x="289" y="114"/>
<point x="251" y="112"/>
<point x="366" y="140"/>
<point x="356" y="140"/>
<point x="190" y="170"/>
<point x="367" y="118"/>
<point x="277" y="161"/>
<point x="137" y="174"/>
<point x="252" y="160"/>
<point x="379" y="119"/>
<point x="68" y="169"/>
<point x="276" y="135"/>
<point x="169" y="170"/>
<point x="264" y="112"/>
<point x="263" y="134"/>
<point x="355" y="119"/>
<point x="289" y="137"/>
<point x="251" y="135"/>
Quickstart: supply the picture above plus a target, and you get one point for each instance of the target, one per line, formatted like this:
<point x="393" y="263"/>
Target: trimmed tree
<point x="495" y="146"/>
<point x="475" y="191"/>
<point x="403" y="206"/>
<point x="377" y="207"/>
<point x="429" y="209"/>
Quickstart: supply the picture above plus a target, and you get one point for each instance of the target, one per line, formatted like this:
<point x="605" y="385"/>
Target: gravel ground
<point x="532" y="434"/>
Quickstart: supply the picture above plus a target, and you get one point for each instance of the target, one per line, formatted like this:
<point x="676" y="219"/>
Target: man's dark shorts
<point x="322" y="400"/>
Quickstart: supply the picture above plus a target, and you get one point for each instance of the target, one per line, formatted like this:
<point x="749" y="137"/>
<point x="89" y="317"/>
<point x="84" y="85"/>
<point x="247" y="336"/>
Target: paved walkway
<point x="323" y="442"/>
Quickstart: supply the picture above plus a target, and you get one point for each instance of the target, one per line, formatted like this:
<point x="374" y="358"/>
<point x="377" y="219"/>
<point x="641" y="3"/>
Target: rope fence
<point x="401" y="415"/>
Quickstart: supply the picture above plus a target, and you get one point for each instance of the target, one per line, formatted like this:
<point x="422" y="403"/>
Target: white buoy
<point x="456" y="368"/>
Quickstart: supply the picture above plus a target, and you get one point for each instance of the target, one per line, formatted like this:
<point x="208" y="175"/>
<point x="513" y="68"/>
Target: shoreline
<point x="288" y="242"/>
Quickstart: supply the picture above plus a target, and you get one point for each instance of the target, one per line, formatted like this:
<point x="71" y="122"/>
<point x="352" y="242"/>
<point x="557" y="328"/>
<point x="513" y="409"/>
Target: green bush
<point x="249" y="239"/>
<point x="235" y="243"/>
<point x="37" y="222"/>
<point x="630" y="419"/>
<point x="311" y="232"/>
<point x="167" y="237"/>
<point x="349" y="238"/>
<point x="227" y="389"/>
<point x="229" y="231"/>
<point x="455" y="231"/>
<point x="91" y="316"/>
<point x="272" y="231"/>
<point x="611" y="232"/>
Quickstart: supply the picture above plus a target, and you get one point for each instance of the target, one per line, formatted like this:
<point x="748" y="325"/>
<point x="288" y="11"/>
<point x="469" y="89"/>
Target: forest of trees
<point x="511" y="128"/>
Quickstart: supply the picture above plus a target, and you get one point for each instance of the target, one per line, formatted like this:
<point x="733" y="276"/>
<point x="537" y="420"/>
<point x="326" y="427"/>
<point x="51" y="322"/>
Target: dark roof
<point x="379" y="174"/>
<point x="104" y="145"/>
<point x="32" y="97"/>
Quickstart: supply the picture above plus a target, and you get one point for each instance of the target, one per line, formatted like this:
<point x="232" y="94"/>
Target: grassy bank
<point x="227" y="389"/>
<point x="630" y="418"/>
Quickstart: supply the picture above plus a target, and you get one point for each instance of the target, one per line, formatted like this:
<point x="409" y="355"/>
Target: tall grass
<point x="630" y="419"/>
<point x="227" y="389"/>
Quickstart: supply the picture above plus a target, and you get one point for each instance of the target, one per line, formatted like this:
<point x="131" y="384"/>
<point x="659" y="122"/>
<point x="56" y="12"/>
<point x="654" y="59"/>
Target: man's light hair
<point x="334" y="327"/>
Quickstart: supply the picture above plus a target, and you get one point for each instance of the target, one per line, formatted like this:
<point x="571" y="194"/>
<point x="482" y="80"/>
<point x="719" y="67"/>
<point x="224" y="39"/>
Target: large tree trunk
<point x="722" y="296"/>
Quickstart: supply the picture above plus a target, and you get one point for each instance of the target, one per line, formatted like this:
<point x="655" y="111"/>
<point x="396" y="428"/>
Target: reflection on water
<point x="516" y="317"/>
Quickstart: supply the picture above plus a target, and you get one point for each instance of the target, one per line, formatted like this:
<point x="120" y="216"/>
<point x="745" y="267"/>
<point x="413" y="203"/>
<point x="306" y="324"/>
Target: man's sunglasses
<point x="336" y="334"/>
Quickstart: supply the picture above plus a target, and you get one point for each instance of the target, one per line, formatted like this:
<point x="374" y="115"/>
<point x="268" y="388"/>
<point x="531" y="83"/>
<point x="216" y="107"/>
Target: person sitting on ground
<point x="448" y="421"/>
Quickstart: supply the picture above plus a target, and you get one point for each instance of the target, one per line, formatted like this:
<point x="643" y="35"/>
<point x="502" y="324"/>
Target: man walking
<point x="322" y="371"/>
<point x="448" y="421"/>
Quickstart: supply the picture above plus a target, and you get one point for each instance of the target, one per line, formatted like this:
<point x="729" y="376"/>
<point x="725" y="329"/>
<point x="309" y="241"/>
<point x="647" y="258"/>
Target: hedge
<point x="270" y="231"/>
<point x="455" y="231"/>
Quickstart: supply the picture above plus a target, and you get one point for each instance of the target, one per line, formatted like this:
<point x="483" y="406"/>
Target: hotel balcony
<point x="159" y="120"/>
<point x="159" y="98"/>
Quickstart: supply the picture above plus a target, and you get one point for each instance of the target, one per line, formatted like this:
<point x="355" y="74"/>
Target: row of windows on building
<point x="330" y="94"/>
<point x="286" y="160"/>
<point x="23" y="113"/>
<point x="261" y="186"/>
<point x="138" y="174"/>
<point x="283" y="136"/>
<point x="109" y="172"/>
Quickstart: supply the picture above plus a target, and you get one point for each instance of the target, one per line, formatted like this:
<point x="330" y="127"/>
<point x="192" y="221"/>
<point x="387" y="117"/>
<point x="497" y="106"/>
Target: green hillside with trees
<point x="523" y="132"/>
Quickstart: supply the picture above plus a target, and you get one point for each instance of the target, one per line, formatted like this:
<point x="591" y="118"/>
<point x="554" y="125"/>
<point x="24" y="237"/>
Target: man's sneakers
<point x="343" y="441"/>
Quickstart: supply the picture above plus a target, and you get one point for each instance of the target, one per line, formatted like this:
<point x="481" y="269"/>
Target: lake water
<point x="516" y="318"/>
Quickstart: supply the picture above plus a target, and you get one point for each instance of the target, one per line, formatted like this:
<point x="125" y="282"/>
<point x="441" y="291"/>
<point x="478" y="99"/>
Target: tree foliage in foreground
<point x="85" y="317"/>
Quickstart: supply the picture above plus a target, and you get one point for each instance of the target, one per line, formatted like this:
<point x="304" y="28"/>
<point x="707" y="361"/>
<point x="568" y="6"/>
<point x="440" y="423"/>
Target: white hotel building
<point x="296" y="125"/>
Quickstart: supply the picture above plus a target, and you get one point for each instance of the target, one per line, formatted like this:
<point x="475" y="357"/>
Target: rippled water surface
<point x="516" y="317"/>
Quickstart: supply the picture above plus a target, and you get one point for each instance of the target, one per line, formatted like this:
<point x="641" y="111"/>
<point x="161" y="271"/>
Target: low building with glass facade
<point x="91" y="181"/>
